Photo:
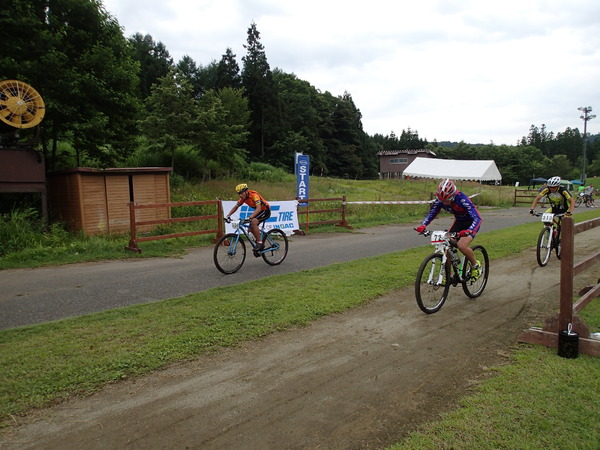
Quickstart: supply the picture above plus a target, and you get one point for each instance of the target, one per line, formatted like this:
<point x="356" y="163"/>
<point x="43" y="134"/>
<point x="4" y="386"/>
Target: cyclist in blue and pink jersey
<point x="466" y="219"/>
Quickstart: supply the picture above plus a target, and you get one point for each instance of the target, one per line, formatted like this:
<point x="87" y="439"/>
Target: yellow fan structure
<point x="21" y="106"/>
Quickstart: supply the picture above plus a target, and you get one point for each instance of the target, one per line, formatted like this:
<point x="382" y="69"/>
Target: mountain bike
<point x="230" y="250"/>
<point x="445" y="268"/>
<point x="585" y="199"/>
<point x="549" y="237"/>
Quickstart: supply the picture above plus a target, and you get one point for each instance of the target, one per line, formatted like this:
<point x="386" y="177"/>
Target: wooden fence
<point x="134" y="223"/>
<point x="568" y="314"/>
<point x="218" y="228"/>
<point x="306" y="212"/>
<point x="524" y="196"/>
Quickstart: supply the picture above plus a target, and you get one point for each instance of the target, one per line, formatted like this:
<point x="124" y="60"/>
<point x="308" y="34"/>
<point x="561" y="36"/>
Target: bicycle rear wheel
<point x="544" y="246"/>
<point x="276" y="247"/>
<point x="229" y="253"/>
<point x="474" y="288"/>
<point x="432" y="284"/>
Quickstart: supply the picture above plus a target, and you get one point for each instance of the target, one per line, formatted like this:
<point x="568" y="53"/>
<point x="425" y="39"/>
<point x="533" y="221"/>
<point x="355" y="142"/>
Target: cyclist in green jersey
<point x="559" y="198"/>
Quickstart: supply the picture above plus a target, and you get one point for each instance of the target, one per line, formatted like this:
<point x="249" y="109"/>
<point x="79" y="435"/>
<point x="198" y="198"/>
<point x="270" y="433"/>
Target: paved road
<point x="30" y="296"/>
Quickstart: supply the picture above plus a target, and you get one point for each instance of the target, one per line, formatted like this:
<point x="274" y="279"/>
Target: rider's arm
<point x="570" y="201"/>
<point x="436" y="206"/>
<point x="234" y="209"/>
<point x="468" y="204"/>
<point x="571" y="205"/>
<point x="538" y="197"/>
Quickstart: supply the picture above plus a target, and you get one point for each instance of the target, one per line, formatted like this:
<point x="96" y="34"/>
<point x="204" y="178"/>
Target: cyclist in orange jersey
<point x="262" y="210"/>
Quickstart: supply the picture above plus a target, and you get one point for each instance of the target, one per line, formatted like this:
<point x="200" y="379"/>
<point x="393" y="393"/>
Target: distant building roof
<point x="405" y="152"/>
<point x="480" y="170"/>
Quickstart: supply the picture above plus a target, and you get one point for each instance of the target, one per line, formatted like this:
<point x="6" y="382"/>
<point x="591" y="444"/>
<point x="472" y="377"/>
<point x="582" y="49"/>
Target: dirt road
<point x="361" y="379"/>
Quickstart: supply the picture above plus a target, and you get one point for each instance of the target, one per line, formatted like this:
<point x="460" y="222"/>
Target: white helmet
<point x="553" y="182"/>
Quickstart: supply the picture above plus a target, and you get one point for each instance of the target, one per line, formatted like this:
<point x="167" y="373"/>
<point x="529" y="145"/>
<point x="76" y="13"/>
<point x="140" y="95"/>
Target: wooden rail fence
<point x="568" y="314"/>
<point x="524" y="196"/>
<point x="306" y="212"/>
<point x="134" y="223"/>
<point x="218" y="229"/>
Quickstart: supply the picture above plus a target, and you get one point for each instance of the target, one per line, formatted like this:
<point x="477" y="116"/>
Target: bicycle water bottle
<point x="454" y="256"/>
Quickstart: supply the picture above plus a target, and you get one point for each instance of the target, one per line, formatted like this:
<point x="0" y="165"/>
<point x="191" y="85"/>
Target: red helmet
<point x="446" y="190"/>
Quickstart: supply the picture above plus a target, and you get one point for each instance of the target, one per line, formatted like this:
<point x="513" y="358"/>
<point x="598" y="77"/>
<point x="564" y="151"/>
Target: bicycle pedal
<point x="256" y="254"/>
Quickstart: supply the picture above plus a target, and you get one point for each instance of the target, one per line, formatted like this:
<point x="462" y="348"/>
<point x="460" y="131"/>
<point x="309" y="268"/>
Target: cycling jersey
<point x="466" y="216"/>
<point x="253" y="200"/>
<point x="559" y="200"/>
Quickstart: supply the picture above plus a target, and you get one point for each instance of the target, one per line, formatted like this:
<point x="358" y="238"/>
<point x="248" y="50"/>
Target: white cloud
<point x="450" y="69"/>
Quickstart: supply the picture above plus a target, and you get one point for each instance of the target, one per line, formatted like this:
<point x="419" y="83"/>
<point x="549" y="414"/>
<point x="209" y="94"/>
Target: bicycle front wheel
<point x="556" y="243"/>
<point x="229" y="253"/>
<point x="276" y="247"/>
<point x="432" y="284"/>
<point x="544" y="246"/>
<point x="474" y="287"/>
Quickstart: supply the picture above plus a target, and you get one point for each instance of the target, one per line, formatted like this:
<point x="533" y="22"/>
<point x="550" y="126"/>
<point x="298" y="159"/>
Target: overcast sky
<point x="453" y="70"/>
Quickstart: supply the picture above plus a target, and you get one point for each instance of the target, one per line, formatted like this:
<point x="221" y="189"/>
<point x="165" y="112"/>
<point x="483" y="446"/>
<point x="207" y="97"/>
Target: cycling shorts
<point x="460" y="225"/>
<point x="264" y="215"/>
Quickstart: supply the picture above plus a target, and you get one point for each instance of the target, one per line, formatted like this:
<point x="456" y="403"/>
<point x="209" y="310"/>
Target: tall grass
<point x="23" y="229"/>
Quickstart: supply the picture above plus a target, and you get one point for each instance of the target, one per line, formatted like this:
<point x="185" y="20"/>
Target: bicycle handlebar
<point x="427" y="233"/>
<point x="229" y="220"/>
<point x="538" y="214"/>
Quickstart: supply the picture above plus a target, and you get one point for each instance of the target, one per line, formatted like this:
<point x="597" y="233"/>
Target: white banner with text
<point x="284" y="215"/>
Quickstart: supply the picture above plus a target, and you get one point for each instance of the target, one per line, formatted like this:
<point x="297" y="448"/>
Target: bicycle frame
<point x="242" y="227"/>
<point x="441" y="240"/>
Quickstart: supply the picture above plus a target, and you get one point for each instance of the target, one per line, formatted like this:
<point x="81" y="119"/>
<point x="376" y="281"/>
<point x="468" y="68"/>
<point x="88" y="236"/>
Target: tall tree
<point x="221" y="129"/>
<point x="154" y="61"/>
<point x="257" y="79"/>
<point x="188" y="68"/>
<point x="228" y="72"/>
<point x="171" y="112"/>
<point x="343" y="149"/>
<point x="299" y="122"/>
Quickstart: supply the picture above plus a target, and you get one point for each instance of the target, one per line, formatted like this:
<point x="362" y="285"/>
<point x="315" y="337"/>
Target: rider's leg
<point x="463" y="246"/>
<point x="255" y="230"/>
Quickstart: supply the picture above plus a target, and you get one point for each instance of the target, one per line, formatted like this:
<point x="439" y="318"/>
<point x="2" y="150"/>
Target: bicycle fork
<point x="440" y="277"/>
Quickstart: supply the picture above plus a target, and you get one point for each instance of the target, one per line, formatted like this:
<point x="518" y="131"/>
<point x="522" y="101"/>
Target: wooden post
<point x="344" y="223"/>
<point x="566" y="273"/>
<point x="132" y="237"/>
<point x="220" y="226"/>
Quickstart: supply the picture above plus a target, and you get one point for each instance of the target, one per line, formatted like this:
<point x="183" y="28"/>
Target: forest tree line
<point x="116" y="101"/>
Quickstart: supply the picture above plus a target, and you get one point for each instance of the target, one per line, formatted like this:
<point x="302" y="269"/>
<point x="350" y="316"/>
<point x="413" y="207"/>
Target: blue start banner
<point x="302" y="171"/>
<point x="283" y="215"/>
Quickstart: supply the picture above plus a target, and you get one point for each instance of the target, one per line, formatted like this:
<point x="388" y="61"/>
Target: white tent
<point x="473" y="170"/>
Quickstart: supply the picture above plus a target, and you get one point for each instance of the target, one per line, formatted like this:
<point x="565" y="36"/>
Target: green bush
<point x="264" y="172"/>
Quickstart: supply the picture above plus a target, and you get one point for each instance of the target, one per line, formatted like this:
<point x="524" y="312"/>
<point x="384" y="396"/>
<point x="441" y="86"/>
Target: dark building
<point x="393" y="162"/>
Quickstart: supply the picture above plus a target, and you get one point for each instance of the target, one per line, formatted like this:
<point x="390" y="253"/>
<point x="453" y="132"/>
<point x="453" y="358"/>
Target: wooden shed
<point x="23" y="170"/>
<point x="96" y="201"/>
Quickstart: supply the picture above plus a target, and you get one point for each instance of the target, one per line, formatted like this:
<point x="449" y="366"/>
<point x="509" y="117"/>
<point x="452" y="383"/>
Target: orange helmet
<point x="446" y="190"/>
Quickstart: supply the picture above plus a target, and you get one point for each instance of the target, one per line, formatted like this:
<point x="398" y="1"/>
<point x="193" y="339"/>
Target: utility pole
<point x="586" y="110"/>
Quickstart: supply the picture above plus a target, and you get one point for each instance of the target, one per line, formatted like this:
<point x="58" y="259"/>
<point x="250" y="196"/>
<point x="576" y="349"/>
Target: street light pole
<point x="586" y="110"/>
